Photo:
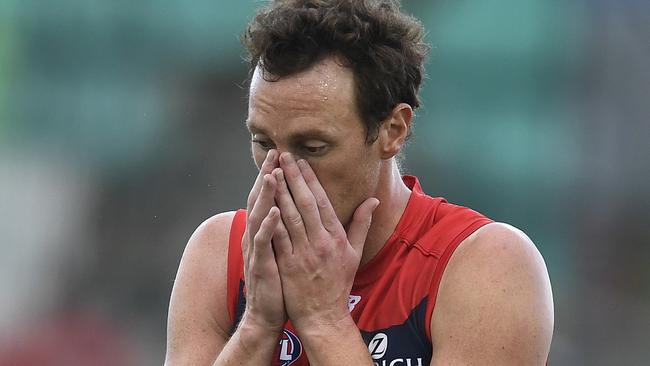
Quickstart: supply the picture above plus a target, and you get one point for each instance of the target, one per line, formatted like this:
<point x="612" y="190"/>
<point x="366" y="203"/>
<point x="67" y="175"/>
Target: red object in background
<point x="69" y="340"/>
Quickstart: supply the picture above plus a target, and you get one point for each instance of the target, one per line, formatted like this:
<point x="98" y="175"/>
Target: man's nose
<point x="293" y="153"/>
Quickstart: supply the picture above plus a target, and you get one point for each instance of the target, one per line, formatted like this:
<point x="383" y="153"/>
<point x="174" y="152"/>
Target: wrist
<point x="253" y="343"/>
<point x="342" y="335"/>
<point x="325" y="325"/>
<point x="254" y="332"/>
<point x="257" y="320"/>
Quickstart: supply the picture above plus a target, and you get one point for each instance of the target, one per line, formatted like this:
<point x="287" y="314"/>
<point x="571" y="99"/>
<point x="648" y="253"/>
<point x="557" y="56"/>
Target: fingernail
<point x="286" y="157"/>
<point x="270" y="155"/>
<point x="302" y="164"/>
<point x="275" y="171"/>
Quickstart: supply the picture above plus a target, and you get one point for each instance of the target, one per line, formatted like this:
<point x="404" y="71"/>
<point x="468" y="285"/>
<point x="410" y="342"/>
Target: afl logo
<point x="290" y="348"/>
<point x="378" y="345"/>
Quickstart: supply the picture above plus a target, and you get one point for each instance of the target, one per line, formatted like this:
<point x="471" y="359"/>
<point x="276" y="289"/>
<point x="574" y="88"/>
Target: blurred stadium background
<point x="121" y="129"/>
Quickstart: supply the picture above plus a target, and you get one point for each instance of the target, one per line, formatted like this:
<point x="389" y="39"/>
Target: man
<point x="338" y="260"/>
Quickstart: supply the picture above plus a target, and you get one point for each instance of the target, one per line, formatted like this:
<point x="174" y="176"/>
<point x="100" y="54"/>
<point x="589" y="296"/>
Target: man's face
<point x="313" y="115"/>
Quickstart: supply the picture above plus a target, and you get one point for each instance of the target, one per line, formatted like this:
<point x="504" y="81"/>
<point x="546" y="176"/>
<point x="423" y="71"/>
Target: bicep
<point x="198" y="323"/>
<point x="494" y="304"/>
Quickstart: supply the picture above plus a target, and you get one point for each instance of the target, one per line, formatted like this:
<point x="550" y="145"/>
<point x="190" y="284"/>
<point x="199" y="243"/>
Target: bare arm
<point x="198" y="324"/>
<point x="495" y="305"/>
<point x="198" y="327"/>
<point x="198" y="330"/>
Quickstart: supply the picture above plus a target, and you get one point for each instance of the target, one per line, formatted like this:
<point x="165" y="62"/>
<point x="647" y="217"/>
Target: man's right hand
<point x="264" y="302"/>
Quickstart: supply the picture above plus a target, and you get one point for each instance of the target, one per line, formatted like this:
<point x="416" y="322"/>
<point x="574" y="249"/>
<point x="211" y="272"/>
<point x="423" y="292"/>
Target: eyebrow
<point x="251" y="126"/>
<point x="309" y="133"/>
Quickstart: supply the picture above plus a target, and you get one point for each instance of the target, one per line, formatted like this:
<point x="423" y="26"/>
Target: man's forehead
<point x="318" y="101"/>
<point x="326" y="76"/>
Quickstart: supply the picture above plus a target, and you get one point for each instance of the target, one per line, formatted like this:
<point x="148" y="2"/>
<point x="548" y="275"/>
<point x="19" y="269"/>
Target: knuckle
<point x="252" y="219"/>
<point x="281" y="234"/>
<point x="308" y="204"/>
<point x="295" y="220"/>
<point x="322" y="202"/>
<point x="259" y="237"/>
<point x="340" y="239"/>
<point x="323" y="245"/>
<point x="331" y="224"/>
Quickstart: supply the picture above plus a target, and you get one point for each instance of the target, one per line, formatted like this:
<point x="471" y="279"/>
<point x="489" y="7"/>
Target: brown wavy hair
<point x="382" y="46"/>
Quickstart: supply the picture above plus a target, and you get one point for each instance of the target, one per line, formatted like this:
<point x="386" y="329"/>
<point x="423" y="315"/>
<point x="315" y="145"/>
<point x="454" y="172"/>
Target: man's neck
<point x="393" y="195"/>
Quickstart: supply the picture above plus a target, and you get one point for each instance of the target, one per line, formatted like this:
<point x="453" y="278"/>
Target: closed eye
<point x="315" y="150"/>
<point x="265" y="145"/>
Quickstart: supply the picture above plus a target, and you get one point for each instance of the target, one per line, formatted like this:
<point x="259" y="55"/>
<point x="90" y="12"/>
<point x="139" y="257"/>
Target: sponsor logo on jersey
<point x="290" y="348"/>
<point x="377" y="348"/>
<point x="353" y="300"/>
<point x="378" y="345"/>
<point x="401" y="362"/>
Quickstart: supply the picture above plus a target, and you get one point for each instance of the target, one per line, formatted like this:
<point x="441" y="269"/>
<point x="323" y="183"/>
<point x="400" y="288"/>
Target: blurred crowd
<point x="122" y="129"/>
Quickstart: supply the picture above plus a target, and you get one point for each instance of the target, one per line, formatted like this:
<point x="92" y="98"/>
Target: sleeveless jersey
<point x="393" y="295"/>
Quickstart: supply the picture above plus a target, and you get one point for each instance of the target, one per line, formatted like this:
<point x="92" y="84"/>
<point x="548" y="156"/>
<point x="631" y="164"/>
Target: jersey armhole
<point x="442" y="264"/>
<point x="235" y="268"/>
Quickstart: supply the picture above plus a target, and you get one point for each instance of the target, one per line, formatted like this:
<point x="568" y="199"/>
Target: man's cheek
<point x="336" y="193"/>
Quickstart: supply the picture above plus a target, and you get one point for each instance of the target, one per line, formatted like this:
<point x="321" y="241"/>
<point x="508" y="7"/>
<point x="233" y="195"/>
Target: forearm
<point x="334" y="344"/>
<point x="249" y="345"/>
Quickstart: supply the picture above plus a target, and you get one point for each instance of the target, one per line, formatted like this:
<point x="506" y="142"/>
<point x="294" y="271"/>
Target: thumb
<point x="358" y="229"/>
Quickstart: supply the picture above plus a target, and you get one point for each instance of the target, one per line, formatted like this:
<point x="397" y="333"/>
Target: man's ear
<point x="394" y="130"/>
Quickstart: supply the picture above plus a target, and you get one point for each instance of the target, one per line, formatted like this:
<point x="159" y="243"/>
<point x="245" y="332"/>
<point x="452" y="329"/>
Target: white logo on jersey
<point x="353" y="300"/>
<point x="378" y="345"/>
<point x="290" y="348"/>
<point x="400" y="362"/>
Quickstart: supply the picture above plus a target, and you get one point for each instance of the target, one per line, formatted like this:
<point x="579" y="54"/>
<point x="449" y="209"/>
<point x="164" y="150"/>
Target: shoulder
<point x="198" y="323"/>
<point x="212" y="231"/>
<point x="494" y="300"/>
<point x="203" y="265"/>
<point x="208" y="243"/>
<point x="496" y="245"/>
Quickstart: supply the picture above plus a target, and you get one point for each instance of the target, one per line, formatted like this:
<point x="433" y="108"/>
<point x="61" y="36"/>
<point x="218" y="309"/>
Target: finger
<point x="328" y="216"/>
<point x="302" y="195"/>
<point x="245" y="248"/>
<point x="292" y="219"/>
<point x="270" y="163"/>
<point x="281" y="242"/>
<point x="262" y="250"/>
<point x="263" y="204"/>
<point x="360" y="224"/>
